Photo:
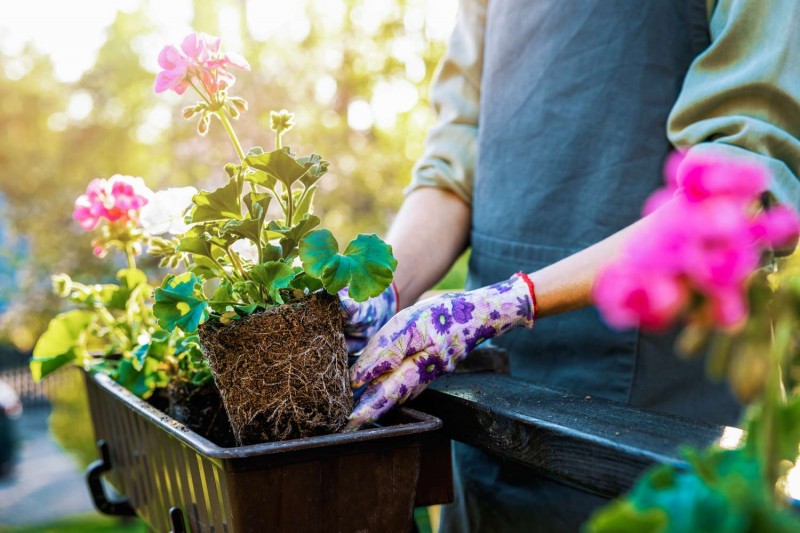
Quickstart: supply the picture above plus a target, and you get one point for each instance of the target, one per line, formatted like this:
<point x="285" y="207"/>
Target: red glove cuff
<point x="532" y="290"/>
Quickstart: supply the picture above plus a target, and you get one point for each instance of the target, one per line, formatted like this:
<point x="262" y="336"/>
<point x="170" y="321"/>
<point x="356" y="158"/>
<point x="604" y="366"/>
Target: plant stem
<point x="236" y="262"/>
<point x="774" y="397"/>
<point x="289" y="207"/>
<point x="198" y="91"/>
<point x="226" y="123"/>
<point x="130" y="256"/>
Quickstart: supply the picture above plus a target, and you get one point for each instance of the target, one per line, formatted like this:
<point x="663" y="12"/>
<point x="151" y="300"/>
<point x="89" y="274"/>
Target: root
<point x="282" y="373"/>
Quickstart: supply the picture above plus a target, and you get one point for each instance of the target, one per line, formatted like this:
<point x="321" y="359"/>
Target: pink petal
<point x="193" y="46"/>
<point x="212" y="43"/>
<point x="778" y="227"/>
<point x="167" y="79"/>
<point x="170" y="58"/>
<point x="237" y="60"/>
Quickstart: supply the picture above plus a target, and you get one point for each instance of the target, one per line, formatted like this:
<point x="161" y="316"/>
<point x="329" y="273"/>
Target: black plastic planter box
<point x="177" y="480"/>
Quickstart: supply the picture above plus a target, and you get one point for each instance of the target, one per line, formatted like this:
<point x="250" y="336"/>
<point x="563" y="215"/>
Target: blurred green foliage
<point x="94" y="523"/>
<point x="346" y="60"/>
<point x="70" y="422"/>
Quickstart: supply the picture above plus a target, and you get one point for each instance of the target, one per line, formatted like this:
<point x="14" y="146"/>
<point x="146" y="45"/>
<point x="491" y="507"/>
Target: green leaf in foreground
<point x="278" y="164"/>
<point x="221" y="204"/>
<point x="367" y="264"/>
<point x="179" y="303"/>
<point x="59" y="344"/>
<point x="275" y="276"/>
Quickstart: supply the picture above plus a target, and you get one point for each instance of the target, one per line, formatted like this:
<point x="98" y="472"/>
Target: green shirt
<point x="741" y="96"/>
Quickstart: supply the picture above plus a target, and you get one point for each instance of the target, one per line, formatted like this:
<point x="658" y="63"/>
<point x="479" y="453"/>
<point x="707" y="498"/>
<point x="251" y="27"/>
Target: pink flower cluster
<point x="705" y="235"/>
<point x="117" y="199"/>
<point x="198" y="59"/>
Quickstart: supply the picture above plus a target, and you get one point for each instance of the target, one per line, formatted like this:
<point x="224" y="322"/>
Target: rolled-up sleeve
<point x="741" y="96"/>
<point x="449" y="157"/>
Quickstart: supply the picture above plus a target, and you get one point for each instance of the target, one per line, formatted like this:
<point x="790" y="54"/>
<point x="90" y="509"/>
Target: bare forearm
<point x="567" y="285"/>
<point x="430" y="232"/>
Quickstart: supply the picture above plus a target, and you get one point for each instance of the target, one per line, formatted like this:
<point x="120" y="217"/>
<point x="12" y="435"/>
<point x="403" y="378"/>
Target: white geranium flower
<point x="245" y="249"/>
<point x="165" y="211"/>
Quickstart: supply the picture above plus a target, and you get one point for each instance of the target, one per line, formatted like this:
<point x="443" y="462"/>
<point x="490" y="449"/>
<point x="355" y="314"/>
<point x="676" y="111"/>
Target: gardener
<point x="559" y="113"/>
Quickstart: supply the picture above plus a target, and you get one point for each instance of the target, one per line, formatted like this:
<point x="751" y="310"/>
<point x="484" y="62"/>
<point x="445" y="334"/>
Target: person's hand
<point x="364" y="319"/>
<point x="428" y="339"/>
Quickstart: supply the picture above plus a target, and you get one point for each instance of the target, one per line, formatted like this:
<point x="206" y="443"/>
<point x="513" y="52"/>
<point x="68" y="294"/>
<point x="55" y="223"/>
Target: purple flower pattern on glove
<point x="427" y="340"/>
<point x="364" y="319"/>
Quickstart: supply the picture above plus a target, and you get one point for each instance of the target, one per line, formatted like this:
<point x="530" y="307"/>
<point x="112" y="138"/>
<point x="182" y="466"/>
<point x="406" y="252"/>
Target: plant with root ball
<point x="254" y="263"/>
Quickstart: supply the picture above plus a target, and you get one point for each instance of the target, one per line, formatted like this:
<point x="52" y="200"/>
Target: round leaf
<point x="367" y="264"/>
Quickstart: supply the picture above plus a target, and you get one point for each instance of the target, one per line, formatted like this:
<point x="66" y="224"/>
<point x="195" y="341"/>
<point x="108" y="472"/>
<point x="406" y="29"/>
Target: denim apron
<point x="571" y="141"/>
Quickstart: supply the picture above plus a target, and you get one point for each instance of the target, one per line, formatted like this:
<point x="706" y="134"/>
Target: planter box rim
<point x="422" y="422"/>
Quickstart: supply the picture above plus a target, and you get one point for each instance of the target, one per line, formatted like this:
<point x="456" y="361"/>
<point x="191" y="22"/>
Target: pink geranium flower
<point x="628" y="296"/>
<point x="705" y="236"/>
<point x="117" y="199"/>
<point x="175" y="67"/>
<point x="198" y="60"/>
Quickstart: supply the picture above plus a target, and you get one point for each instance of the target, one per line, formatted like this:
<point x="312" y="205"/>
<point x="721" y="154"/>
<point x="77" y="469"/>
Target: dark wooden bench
<point x="598" y="444"/>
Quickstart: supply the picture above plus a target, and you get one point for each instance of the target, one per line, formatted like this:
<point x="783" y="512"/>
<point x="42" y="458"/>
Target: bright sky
<point x="72" y="31"/>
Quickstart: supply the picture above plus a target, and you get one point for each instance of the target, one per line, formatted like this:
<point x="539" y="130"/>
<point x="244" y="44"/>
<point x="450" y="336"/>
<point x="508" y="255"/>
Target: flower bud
<point x="99" y="249"/>
<point x="281" y="121"/>
<point x="62" y="285"/>
<point x="234" y="112"/>
<point x="189" y="112"/>
<point x="203" y="124"/>
<point x="239" y="103"/>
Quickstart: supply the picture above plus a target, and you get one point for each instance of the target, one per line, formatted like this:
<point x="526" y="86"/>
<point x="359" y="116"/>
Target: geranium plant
<point x="111" y="328"/>
<point x="259" y="265"/>
<point x="707" y="259"/>
<point x="259" y="262"/>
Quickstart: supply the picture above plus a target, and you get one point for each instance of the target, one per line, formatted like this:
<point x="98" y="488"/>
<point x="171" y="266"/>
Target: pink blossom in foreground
<point x="199" y="60"/>
<point x="705" y="236"/>
<point x="631" y="296"/>
<point x="117" y="199"/>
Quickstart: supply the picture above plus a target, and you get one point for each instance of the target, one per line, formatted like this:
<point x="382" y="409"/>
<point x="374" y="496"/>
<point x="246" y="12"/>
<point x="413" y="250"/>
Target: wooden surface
<point x="595" y="443"/>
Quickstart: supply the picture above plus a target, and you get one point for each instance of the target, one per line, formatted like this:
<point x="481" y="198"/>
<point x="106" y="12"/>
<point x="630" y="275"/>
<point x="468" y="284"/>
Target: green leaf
<point x="59" y="344"/>
<point x="367" y="264"/>
<point x="298" y="231"/>
<point x="142" y="382"/>
<point x="315" y="167"/>
<point x="278" y="164"/>
<point x="304" y="206"/>
<point x="622" y="517"/>
<point x="221" y="204"/>
<point x="273" y="275"/>
<point x="180" y="303"/>
<point x="271" y="252"/>
<point x="261" y="178"/>
<point x="129" y="279"/>
<point x="257" y="204"/>
<point x="193" y="242"/>
<point x="222" y="297"/>
<point x="305" y="283"/>
<point x="248" y="229"/>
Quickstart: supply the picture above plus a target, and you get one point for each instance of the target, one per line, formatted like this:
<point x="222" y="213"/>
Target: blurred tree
<point x="355" y="72"/>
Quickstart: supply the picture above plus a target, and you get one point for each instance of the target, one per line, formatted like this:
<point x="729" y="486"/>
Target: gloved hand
<point x="428" y="339"/>
<point x="364" y="319"/>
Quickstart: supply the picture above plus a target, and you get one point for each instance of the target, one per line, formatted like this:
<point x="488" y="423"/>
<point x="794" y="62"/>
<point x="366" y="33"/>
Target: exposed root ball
<point x="282" y="373"/>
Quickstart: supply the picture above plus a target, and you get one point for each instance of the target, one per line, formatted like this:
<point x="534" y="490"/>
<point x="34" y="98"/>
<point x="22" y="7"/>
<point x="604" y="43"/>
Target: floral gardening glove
<point x="363" y="320"/>
<point x="424" y="341"/>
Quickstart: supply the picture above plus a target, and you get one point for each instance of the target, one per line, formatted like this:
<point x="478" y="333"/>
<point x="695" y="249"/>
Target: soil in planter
<point x="159" y="399"/>
<point x="200" y="409"/>
<point x="282" y="373"/>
